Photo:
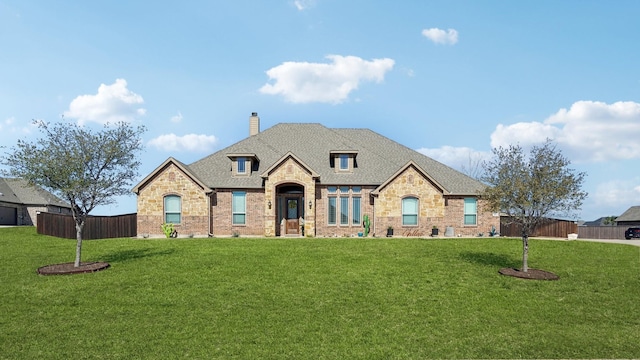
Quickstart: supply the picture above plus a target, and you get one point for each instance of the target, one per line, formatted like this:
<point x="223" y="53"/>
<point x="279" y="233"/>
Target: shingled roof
<point x="18" y="191"/>
<point x="632" y="214"/>
<point x="378" y="158"/>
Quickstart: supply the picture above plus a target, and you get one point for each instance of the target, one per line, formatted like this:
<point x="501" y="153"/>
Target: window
<point x="344" y="210"/>
<point x="332" y="211"/>
<point x="470" y="211"/>
<point x="172" y="207"/>
<point x="239" y="207"/>
<point x="355" y="210"/>
<point x="344" y="206"/>
<point x="344" y="162"/>
<point x="410" y="211"/>
<point x="242" y="165"/>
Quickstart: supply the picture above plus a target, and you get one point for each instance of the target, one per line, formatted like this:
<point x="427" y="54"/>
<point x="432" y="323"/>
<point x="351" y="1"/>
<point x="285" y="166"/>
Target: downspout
<point x="210" y="232"/>
<point x="375" y="223"/>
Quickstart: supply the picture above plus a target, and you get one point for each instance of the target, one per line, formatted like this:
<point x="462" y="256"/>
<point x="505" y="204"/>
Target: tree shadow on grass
<point x="128" y="255"/>
<point x="489" y="259"/>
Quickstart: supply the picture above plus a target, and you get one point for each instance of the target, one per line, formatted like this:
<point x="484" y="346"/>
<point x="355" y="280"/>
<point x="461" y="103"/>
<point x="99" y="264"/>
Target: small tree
<point x="530" y="189"/>
<point x="84" y="167"/>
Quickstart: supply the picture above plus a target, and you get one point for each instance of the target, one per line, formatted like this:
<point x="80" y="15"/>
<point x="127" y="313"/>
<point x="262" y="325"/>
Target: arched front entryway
<point x="290" y="209"/>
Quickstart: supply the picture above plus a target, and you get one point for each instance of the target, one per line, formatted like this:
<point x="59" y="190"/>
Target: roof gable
<point x="283" y="159"/>
<point x="408" y="165"/>
<point x="163" y="166"/>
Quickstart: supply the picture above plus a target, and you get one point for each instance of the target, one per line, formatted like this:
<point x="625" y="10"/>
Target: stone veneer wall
<point x="410" y="183"/>
<point x="172" y="181"/>
<point x="222" y="217"/>
<point x="290" y="171"/>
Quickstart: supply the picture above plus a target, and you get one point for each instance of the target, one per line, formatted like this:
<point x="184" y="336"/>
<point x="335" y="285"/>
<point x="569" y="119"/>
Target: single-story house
<point x="20" y="202"/>
<point x="307" y="179"/>
<point x="601" y="221"/>
<point x="631" y="217"/>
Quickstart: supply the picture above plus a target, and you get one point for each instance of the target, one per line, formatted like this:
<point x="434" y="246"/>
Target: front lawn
<point x="349" y="298"/>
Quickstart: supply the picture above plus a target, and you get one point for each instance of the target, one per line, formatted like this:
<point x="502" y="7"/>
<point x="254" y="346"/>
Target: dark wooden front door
<point x="292" y="216"/>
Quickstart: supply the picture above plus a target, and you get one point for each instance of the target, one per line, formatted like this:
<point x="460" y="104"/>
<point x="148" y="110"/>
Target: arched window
<point x="410" y="211"/>
<point x="172" y="209"/>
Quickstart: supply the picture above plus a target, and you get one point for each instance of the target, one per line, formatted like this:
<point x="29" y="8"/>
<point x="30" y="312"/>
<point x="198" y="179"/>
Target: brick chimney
<point x="254" y="124"/>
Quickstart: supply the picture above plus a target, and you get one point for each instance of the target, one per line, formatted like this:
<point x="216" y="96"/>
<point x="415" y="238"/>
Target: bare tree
<point x="474" y="166"/>
<point x="86" y="168"/>
<point x="529" y="189"/>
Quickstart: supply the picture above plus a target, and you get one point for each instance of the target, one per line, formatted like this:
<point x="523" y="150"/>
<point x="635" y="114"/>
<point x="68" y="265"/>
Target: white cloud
<point x="9" y="126"/>
<point x="303" y="4"/>
<point x="462" y="158"/>
<point x="439" y="36"/>
<point x="111" y="104"/>
<point x="616" y="192"/>
<point x="589" y="131"/>
<point x="303" y="82"/>
<point x="177" y="118"/>
<point x="189" y="142"/>
<point x="523" y="133"/>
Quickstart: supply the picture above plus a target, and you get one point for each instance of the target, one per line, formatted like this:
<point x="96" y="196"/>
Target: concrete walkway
<point x="634" y="242"/>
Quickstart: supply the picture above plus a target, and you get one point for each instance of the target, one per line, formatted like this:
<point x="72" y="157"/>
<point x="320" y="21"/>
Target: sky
<point x="450" y="79"/>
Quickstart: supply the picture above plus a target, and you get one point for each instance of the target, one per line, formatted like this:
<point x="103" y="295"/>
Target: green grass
<point x="317" y="299"/>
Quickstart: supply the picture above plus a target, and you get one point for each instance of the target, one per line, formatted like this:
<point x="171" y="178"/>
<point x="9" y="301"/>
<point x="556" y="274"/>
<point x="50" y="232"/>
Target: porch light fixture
<point x="310" y="204"/>
<point x="269" y="204"/>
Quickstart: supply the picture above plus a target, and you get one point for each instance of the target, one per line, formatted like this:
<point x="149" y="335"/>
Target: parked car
<point x="633" y="232"/>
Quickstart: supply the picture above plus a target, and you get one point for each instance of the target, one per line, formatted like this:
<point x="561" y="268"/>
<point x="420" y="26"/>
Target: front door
<point x="292" y="216"/>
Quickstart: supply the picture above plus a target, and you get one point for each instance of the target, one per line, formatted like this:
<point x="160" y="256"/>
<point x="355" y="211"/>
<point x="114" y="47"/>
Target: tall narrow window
<point x="410" y="211"/>
<point x="470" y="211"/>
<point x="344" y="162"/>
<point x="331" y="216"/>
<point x="344" y="210"/>
<point x="172" y="207"/>
<point x="355" y="210"/>
<point x="242" y="165"/>
<point x="239" y="207"/>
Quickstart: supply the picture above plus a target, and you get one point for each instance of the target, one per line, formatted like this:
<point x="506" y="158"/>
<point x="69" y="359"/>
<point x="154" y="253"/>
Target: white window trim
<point x="236" y="212"/>
<point x="164" y="207"/>
<point x="416" y="214"/>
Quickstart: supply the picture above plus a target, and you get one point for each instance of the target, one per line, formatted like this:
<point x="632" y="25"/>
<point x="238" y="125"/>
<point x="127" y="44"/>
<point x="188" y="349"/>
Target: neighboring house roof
<point x="18" y="191"/>
<point x="378" y="158"/>
<point x="632" y="214"/>
<point x="602" y="221"/>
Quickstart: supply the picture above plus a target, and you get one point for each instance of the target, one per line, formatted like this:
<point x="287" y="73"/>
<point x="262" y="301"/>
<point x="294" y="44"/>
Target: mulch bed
<point x="531" y="274"/>
<point x="68" y="268"/>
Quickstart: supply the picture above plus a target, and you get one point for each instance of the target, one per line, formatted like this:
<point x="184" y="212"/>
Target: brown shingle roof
<point x="632" y="214"/>
<point x="18" y="191"/>
<point x="378" y="158"/>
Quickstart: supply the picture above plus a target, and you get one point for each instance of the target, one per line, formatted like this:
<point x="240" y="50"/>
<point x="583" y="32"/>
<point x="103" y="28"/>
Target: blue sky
<point x="451" y="79"/>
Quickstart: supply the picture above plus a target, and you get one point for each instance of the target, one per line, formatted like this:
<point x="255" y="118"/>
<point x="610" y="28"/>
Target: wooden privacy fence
<point x="601" y="232"/>
<point x="550" y="228"/>
<point x="96" y="227"/>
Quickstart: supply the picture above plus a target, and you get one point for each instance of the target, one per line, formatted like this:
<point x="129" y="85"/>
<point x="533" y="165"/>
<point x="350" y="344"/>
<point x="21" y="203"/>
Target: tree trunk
<point x="78" y="243"/>
<point x="525" y="252"/>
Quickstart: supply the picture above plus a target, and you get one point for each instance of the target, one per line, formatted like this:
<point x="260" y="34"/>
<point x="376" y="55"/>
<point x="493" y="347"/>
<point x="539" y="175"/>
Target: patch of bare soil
<point x="68" y="268"/>
<point x="531" y="274"/>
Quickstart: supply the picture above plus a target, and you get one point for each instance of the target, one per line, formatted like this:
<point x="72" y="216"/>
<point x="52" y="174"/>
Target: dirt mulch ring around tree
<point x="68" y="268"/>
<point x="531" y="274"/>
